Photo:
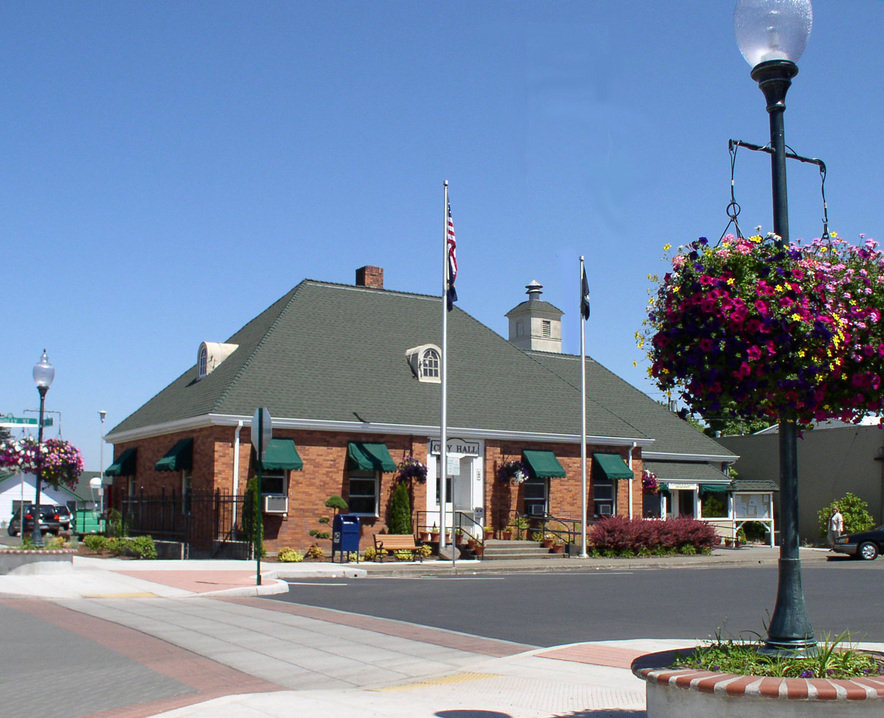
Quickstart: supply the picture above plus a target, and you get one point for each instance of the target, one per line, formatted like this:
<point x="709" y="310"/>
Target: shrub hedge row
<point x="618" y="535"/>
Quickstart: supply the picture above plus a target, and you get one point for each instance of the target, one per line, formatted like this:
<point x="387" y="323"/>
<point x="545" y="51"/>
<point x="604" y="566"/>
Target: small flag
<point x="584" y="293"/>
<point x="452" y="262"/>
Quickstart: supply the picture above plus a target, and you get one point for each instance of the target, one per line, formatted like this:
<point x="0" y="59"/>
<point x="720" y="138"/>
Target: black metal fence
<point x="208" y="524"/>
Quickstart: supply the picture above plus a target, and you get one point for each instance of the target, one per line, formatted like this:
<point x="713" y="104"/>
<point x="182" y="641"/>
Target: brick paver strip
<point x="196" y="581"/>
<point x="594" y="654"/>
<point x="390" y="627"/>
<point x="207" y="678"/>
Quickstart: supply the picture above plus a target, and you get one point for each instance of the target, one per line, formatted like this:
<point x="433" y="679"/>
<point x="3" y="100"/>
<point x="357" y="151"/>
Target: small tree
<point x="854" y="510"/>
<point x="336" y="502"/>
<point x="251" y="514"/>
<point x="400" y="511"/>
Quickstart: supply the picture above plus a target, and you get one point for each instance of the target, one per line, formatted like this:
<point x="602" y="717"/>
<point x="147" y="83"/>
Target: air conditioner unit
<point x="605" y="509"/>
<point x="537" y="510"/>
<point x="276" y="504"/>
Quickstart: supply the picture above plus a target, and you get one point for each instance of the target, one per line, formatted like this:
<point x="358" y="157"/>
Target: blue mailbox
<point x="345" y="535"/>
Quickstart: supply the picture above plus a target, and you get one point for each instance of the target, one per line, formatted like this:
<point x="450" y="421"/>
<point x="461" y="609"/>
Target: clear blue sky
<point x="172" y="168"/>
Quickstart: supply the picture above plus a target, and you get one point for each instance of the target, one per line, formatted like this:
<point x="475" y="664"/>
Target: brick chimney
<point x="372" y="277"/>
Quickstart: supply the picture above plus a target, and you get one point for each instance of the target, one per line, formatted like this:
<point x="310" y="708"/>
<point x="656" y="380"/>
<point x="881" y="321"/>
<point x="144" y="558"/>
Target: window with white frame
<point x="536" y="492"/>
<point x="363" y="492"/>
<point x="430" y="364"/>
<point x="274" y="481"/>
<point x="202" y="362"/>
<point x="425" y="362"/>
<point x="603" y="496"/>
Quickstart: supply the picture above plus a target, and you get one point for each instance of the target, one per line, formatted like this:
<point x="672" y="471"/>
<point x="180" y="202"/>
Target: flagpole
<point x="443" y="425"/>
<point x="583" y="308"/>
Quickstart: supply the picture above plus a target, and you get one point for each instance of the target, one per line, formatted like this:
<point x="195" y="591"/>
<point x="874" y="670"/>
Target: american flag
<point x="452" y="262"/>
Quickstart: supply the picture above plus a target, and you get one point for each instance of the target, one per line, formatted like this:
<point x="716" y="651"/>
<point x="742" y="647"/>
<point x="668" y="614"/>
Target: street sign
<point x="262" y="431"/>
<point x="11" y="422"/>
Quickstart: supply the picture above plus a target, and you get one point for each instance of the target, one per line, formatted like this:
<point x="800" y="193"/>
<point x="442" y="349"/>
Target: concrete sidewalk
<point x="285" y="659"/>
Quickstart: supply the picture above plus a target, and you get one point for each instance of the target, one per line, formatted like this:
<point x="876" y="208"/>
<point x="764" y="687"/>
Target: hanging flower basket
<point x="514" y="471"/>
<point x="649" y="483"/>
<point x="411" y="468"/>
<point x="752" y="329"/>
<point x="61" y="461"/>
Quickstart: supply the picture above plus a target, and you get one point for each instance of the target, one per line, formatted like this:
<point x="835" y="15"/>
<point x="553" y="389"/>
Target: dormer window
<point x="425" y="362"/>
<point x="202" y="361"/>
<point x="210" y="355"/>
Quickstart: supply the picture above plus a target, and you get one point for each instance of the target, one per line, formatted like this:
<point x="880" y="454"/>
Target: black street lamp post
<point x="772" y="34"/>
<point x="44" y="373"/>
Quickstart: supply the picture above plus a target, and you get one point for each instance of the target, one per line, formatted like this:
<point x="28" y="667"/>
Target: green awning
<point x="543" y="464"/>
<point x="370" y="457"/>
<point x="715" y="488"/>
<point x="662" y="486"/>
<point x="613" y="466"/>
<point x="282" y="454"/>
<point x="178" y="458"/>
<point x="124" y="465"/>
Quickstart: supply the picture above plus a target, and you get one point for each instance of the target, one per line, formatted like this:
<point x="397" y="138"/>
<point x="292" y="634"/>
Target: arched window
<point x="430" y="364"/>
<point x="202" y="363"/>
<point x="425" y="362"/>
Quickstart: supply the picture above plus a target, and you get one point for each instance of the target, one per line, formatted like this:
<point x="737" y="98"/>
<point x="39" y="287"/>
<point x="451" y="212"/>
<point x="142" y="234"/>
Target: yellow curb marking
<point x="440" y="681"/>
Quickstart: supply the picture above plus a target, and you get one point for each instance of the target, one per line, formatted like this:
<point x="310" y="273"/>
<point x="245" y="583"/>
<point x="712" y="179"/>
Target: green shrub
<point x="95" y="543"/>
<point x="54" y="543"/>
<point x="115" y="527"/>
<point x="400" y="511"/>
<point x="854" y="510"/>
<point x="289" y="555"/>
<point x="403" y="555"/>
<point x="137" y="546"/>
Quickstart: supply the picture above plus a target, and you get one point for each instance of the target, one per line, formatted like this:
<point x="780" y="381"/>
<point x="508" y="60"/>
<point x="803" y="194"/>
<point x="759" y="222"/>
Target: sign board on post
<point x="262" y="431"/>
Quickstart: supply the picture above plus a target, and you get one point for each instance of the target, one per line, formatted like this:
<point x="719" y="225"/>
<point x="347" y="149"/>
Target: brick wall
<point x="325" y="474"/>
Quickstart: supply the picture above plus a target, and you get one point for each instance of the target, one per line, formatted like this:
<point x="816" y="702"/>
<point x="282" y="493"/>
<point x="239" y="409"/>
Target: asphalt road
<point x="547" y="609"/>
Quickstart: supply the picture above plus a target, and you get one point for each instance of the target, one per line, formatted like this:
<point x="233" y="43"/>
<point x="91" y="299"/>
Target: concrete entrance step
<point x="498" y="550"/>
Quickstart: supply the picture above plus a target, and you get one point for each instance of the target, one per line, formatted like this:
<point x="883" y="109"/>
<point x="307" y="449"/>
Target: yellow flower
<point x="730" y="280"/>
<point x="755" y="238"/>
<point x="778" y="288"/>
<point x="667" y="247"/>
<point x="796" y="317"/>
<point x="676" y="288"/>
<point x="801" y="352"/>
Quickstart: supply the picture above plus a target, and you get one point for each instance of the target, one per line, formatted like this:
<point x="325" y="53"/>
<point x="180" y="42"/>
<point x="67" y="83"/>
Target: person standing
<point x="836" y="526"/>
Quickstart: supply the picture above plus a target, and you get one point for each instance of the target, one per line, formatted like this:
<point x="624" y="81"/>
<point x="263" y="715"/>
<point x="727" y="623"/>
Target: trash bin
<point x="345" y="535"/>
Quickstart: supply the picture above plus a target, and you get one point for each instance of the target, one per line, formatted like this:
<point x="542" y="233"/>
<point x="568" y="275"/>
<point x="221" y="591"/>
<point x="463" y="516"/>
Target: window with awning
<point x="281" y="455"/>
<point x="178" y="458"/>
<point x="613" y="466"/>
<point x="369" y="456"/>
<point x="543" y="464"/>
<point x="124" y="465"/>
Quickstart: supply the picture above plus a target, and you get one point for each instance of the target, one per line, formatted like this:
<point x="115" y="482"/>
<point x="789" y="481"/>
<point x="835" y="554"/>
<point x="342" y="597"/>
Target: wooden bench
<point x="396" y="542"/>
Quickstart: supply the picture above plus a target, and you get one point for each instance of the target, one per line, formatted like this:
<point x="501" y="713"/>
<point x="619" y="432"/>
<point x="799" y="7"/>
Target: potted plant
<point x="521" y="527"/>
<point x="557" y="546"/>
<point x="514" y="471"/>
<point x="488" y="531"/>
<point x="434" y="533"/>
<point x="507" y="533"/>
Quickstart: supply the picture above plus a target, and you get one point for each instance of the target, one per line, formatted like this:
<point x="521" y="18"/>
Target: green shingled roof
<point x="672" y="435"/>
<point x="330" y="352"/>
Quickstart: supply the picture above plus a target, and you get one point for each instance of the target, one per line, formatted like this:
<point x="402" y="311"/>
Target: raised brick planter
<point x="688" y="692"/>
<point x="18" y="561"/>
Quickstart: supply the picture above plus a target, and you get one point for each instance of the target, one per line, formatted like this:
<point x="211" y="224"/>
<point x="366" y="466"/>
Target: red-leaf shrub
<point x="617" y="534"/>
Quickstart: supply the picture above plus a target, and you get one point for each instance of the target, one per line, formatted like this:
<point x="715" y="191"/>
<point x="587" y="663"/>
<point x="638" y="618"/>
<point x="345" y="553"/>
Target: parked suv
<point x="50" y="520"/>
<point x="64" y="517"/>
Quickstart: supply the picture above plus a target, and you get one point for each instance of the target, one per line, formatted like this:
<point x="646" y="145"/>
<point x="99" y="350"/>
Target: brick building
<point x="350" y="376"/>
